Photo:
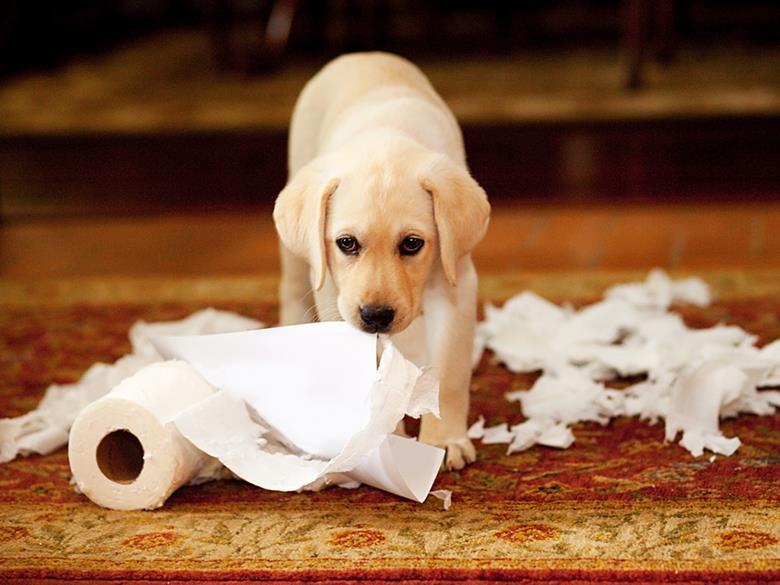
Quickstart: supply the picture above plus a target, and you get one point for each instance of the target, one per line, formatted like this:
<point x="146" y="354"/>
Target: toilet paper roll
<point x="124" y="452"/>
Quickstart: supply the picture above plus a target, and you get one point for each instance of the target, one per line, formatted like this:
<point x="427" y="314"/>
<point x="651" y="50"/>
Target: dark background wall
<point x="702" y="155"/>
<point x="46" y="33"/>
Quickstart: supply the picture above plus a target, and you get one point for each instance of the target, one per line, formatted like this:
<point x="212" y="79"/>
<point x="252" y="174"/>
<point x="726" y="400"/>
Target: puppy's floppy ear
<point x="300" y="212"/>
<point x="460" y="208"/>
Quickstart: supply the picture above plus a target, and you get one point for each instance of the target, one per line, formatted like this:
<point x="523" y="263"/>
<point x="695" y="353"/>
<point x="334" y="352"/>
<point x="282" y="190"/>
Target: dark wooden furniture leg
<point x="277" y="34"/>
<point x="274" y="36"/>
<point x="634" y="39"/>
<point x="664" y="25"/>
<point x="221" y="12"/>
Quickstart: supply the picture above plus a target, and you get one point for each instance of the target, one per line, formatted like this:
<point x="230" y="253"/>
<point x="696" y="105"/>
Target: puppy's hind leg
<point x="296" y="301"/>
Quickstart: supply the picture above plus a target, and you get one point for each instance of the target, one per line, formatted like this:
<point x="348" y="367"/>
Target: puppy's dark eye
<point x="348" y="245"/>
<point x="410" y="245"/>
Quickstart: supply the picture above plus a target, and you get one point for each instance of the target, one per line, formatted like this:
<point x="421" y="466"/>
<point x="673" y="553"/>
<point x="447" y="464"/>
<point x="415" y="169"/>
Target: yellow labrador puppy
<point x="378" y="220"/>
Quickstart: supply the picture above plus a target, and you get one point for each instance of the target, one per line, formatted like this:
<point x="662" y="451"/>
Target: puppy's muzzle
<point x="376" y="318"/>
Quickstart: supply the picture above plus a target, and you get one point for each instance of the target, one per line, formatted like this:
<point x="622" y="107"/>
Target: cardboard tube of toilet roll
<point x="124" y="452"/>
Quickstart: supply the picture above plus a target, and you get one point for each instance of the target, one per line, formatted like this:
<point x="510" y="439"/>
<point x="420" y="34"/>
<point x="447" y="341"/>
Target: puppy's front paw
<point x="460" y="451"/>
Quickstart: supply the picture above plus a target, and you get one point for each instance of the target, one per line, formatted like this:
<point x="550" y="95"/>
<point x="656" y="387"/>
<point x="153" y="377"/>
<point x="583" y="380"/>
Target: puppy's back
<point x="349" y="83"/>
<point x="349" y="76"/>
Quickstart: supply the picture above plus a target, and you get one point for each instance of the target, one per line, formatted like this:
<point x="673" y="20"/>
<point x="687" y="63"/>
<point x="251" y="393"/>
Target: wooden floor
<point x="521" y="237"/>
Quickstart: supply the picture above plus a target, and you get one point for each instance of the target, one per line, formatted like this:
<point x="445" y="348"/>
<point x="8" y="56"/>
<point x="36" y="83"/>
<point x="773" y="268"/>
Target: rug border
<point x="542" y="575"/>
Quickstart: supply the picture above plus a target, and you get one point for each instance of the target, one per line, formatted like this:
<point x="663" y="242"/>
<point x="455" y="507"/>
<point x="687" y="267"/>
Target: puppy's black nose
<point x="377" y="318"/>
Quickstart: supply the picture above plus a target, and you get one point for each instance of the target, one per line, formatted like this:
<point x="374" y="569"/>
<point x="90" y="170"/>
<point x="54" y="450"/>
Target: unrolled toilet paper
<point x="124" y="452"/>
<point x="322" y="407"/>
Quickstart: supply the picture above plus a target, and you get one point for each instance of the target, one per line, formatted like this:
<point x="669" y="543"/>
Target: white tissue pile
<point x="694" y="376"/>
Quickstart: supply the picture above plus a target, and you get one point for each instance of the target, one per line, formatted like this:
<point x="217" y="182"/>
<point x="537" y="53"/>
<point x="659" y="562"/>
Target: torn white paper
<point x="497" y="434"/>
<point x="569" y="396"/>
<point x="445" y="496"/>
<point x="318" y="405"/>
<point x="203" y="322"/>
<point x="544" y="431"/>
<point x="692" y="374"/>
<point x="771" y="354"/>
<point x="697" y="398"/>
<point x="309" y="382"/>
<point x="659" y="291"/>
<point x="45" y="429"/>
<point x="401" y="466"/>
<point x="477" y="429"/>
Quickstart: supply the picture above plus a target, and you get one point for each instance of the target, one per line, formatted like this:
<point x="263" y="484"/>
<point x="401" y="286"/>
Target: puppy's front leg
<point x="296" y="302"/>
<point x="450" y="315"/>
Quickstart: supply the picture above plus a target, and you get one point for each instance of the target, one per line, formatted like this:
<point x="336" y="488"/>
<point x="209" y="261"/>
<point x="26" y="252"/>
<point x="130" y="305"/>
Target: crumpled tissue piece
<point x="46" y="428"/>
<point x="659" y="291"/>
<point x="203" y="322"/>
<point x="497" y="434"/>
<point x="694" y="376"/>
<point x="569" y="396"/>
<point x="771" y="354"/>
<point x="544" y="431"/>
<point x="697" y="398"/>
<point x="445" y="496"/>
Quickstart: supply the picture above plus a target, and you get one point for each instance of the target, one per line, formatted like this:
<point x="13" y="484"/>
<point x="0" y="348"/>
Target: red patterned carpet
<point x="619" y="506"/>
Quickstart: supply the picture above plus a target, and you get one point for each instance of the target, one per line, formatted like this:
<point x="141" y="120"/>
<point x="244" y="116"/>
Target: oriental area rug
<point x="619" y="506"/>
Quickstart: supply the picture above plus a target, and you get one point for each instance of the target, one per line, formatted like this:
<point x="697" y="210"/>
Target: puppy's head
<point x="381" y="223"/>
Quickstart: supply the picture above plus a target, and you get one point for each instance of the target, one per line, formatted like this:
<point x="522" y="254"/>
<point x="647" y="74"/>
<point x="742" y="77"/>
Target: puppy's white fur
<point x="376" y="155"/>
